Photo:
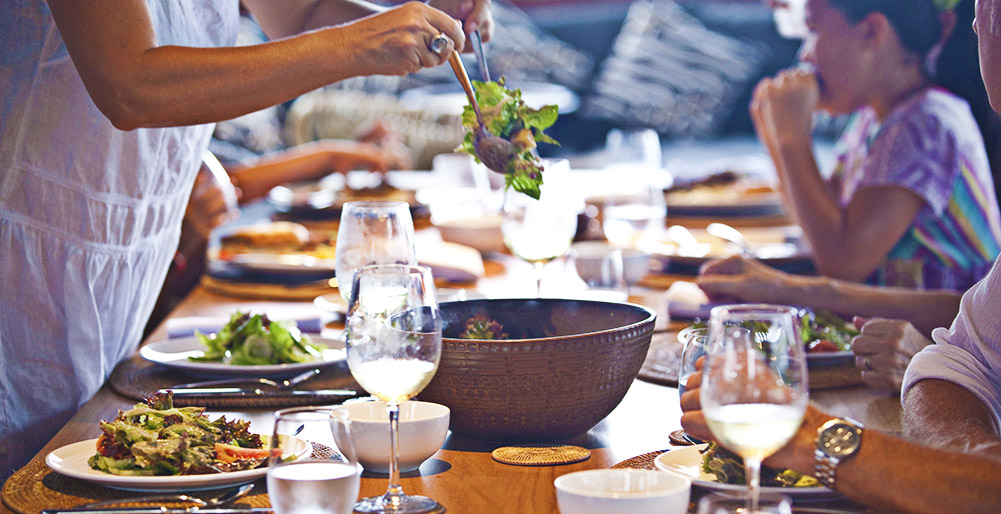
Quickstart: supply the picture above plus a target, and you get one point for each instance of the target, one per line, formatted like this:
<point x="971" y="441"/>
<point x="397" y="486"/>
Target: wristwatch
<point x="837" y="440"/>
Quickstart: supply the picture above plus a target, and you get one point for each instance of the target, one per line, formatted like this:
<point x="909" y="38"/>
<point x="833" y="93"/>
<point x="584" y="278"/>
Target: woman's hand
<point x="740" y="279"/>
<point x="884" y="349"/>
<point x="475" y="15"/>
<point x="782" y="107"/>
<point x="398" y="41"/>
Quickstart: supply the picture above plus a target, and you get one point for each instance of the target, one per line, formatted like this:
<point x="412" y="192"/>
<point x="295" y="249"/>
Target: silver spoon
<point x="728" y="233"/>
<point x="223" y="499"/>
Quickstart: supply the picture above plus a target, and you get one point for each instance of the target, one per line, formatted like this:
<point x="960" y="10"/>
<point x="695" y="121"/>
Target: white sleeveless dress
<point x="89" y="218"/>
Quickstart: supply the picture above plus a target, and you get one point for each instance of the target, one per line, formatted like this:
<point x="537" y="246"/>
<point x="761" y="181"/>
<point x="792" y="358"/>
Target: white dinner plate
<point x="687" y="462"/>
<point x="71" y="460"/>
<point x="174" y="353"/>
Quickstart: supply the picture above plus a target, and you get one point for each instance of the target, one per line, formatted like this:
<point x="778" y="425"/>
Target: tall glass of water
<point x="372" y="232"/>
<point x="307" y="471"/>
<point x="694" y="347"/>
<point x="754" y="383"/>
<point x="393" y="336"/>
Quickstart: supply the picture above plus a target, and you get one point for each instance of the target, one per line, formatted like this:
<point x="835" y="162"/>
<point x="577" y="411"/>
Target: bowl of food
<point x="615" y="491"/>
<point x="541" y="369"/>
<point x="423" y="427"/>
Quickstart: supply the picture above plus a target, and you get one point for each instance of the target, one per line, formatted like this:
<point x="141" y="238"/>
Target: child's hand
<point x="784" y="105"/>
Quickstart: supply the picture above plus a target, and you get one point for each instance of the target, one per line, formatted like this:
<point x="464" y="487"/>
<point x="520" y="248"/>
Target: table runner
<point x="138" y="378"/>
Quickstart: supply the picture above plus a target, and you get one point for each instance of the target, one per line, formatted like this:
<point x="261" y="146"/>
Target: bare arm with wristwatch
<point x="876" y="469"/>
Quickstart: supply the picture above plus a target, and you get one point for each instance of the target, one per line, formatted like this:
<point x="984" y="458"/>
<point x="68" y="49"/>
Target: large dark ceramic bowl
<point x="564" y="366"/>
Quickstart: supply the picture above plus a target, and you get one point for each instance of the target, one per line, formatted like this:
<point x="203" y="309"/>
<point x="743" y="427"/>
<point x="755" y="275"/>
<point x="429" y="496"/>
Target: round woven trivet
<point x="540" y="455"/>
<point x="644" y="461"/>
<point x="36" y="487"/>
<point x="663" y="360"/>
<point x="138" y="378"/>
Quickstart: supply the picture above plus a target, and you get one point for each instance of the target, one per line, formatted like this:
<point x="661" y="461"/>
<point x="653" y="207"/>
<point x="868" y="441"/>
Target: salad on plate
<point x="156" y="439"/>
<point x="253" y="340"/>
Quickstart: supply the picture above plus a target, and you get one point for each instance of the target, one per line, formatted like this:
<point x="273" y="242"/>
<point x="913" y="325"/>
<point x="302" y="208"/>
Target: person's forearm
<point x="925" y="309"/>
<point x="893" y="475"/>
<point x="813" y="206"/>
<point x="172" y="86"/>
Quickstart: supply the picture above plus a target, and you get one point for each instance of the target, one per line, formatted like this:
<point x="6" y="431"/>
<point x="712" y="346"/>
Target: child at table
<point x="910" y="200"/>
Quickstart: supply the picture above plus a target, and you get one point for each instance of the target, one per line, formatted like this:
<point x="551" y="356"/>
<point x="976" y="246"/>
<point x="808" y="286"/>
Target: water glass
<point x="694" y="347"/>
<point x="372" y="232"/>
<point x="307" y="471"/>
<point x="767" y="504"/>
<point x="754" y="383"/>
<point x="600" y="267"/>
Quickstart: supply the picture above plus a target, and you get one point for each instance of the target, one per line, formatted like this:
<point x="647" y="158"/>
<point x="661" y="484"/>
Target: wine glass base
<point x="408" y="505"/>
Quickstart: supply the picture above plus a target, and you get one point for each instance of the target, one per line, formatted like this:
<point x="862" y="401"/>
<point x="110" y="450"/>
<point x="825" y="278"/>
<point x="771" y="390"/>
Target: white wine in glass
<point x="393" y="336"/>
<point x="539" y="231"/>
<point x="754" y="383"/>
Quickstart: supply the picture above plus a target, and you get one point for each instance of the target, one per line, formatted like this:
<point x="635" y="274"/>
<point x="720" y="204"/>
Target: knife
<point x="216" y="392"/>
<point x="160" y="510"/>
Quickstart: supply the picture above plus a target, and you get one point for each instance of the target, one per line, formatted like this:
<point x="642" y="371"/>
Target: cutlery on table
<point x="288" y="383"/>
<point x="728" y="233"/>
<point x="326" y="395"/>
<point x="219" y="501"/>
<point x="162" y="510"/>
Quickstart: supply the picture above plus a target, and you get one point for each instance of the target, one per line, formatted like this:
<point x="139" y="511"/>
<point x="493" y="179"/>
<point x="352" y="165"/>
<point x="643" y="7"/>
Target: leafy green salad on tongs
<point x="506" y="115"/>
<point x="155" y="438"/>
<point x="255" y="340"/>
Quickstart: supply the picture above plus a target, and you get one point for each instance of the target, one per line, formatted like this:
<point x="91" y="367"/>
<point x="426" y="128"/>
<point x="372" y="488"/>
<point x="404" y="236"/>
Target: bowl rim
<point x="680" y="483"/>
<point x="650" y="318"/>
<point x="439" y="411"/>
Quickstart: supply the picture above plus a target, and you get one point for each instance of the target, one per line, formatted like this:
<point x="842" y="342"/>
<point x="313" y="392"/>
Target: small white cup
<point x="423" y="427"/>
<point x="622" y="491"/>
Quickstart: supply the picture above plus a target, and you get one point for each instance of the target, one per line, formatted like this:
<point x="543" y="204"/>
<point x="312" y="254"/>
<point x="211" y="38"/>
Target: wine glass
<point x="324" y="478"/>
<point x="754" y="383"/>
<point x="393" y="336"/>
<point x="722" y="504"/>
<point x="694" y="341"/>
<point x="539" y="231"/>
<point x="634" y="218"/>
<point x="372" y="232"/>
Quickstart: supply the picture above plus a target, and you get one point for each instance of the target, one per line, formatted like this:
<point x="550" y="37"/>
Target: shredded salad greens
<point x="155" y="438"/>
<point x="729" y="469"/>
<point x="506" y="115"/>
<point x="821" y="331"/>
<point x="255" y="340"/>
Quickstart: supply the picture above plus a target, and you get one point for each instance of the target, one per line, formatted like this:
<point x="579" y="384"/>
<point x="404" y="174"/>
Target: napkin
<point x="686" y="300"/>
<point x="185" y="327"/>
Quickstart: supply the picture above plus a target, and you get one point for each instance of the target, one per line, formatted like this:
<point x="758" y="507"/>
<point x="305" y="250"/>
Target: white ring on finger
<point x="439" y="43"/>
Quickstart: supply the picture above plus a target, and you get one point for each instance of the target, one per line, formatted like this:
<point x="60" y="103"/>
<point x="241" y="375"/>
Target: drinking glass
<point x="325" y="478"/>
<point x="631" y="218"/>
<point x="600" y="268"/>
<point x="393" y="336"/>
<point x="694" y="341"/>
<point x="767" y="504"/>
<point x="754" y="383"/>
<point x="539" y="231"/>
<point x="372" y="232"/>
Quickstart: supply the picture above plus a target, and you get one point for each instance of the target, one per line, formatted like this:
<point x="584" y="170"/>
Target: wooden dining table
<point x="463" y="476"/>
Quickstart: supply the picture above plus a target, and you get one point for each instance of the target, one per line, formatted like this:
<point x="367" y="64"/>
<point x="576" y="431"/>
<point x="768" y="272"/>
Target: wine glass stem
<point x="752" y="468"/>
<point x="394" y="493"/>
<point x="539" y="269"/>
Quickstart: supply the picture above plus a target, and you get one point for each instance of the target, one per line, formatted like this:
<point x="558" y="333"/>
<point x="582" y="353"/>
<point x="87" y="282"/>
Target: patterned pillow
<point x="670" y="72"/>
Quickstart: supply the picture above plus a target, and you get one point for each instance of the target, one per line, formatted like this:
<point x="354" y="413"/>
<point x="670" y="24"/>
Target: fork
<point x="288" y="383"/>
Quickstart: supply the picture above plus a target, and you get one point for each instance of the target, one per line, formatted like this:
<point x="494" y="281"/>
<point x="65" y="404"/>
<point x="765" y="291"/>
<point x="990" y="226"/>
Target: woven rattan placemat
<point x="644" y="461"/>
<point x="36" y="487"/>
<point x="663" y="360"/>
<point x="138" y="378"/>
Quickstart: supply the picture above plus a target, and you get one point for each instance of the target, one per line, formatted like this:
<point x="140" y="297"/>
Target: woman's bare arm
<point x="136" y="83"/>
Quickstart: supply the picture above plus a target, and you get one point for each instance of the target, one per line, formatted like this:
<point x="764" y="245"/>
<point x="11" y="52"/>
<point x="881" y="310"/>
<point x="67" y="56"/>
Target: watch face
<point x="840" y="439"/>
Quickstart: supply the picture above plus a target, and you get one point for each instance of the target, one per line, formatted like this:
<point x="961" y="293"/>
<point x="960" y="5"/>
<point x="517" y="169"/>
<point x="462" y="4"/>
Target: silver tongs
<point x="481" y="60"/>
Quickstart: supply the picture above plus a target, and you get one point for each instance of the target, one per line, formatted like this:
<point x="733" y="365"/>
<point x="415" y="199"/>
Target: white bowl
<point x="622" y="491"/>
<point x="482" y="233"/>
<point x="635" y="263"/>
<point x="423" y="427"/>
